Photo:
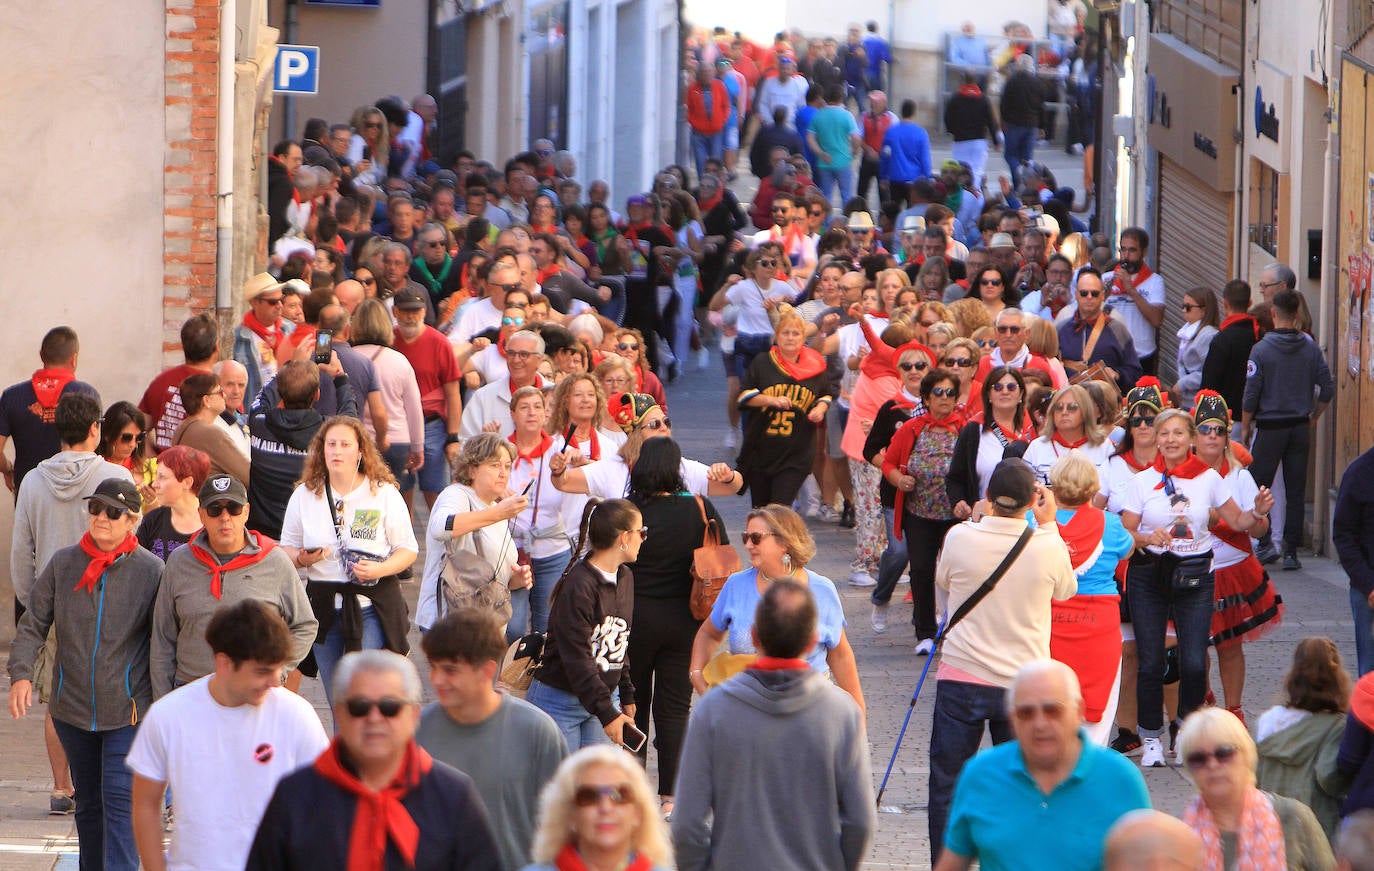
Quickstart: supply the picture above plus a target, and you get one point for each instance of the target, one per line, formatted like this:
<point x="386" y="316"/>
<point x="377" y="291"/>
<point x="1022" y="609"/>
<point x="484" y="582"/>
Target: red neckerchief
<point x="267" y="332"/>
<point x="809" y="363"/>
<point x="568" y="859"/>
<point x="545" y="442"/>
<point x="379" y="816"/>
<point x="48" y="385"/>
<point x="593" y="440"/>
<point x="1129" y="459"/>
<point x="1142" y="276"/>
<point x="1240" y="318"/>
<point x="538" y="382"/>
<point x="580" y="241"/>
<point x="243" y="560"/>
<point x="550" y="228"/>
<point x="707" y="205"/>
<point x="774" y="663"/>
<point x="970" y="90"/>
<point x="1059" y="440"/>
<point x="954" y="422"/>
<point x="1012" y="437"/>
<point x="545" y="274"/>
<point x="100" y="560"/>
<point x="1079" y="324"/>
<point x="1083" y="534"/>
<point x="1189" y="468"/>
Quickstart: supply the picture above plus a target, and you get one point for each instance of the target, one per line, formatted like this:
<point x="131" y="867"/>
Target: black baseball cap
<point x="222" y="488"/>
<point x="408" y="300"/>
<point x="1012" y="484"/>
<point x="118" y="493"/>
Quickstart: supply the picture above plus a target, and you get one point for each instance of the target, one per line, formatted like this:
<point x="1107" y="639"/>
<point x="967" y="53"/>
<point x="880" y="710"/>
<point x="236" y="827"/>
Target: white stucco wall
<point x="83" y="217"/>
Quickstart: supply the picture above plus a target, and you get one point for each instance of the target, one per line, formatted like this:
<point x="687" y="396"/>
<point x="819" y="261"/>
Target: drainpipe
<point x="224" y="155"/>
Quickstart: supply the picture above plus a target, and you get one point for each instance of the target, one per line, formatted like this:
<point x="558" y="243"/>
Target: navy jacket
<point x="1352" y="526"/>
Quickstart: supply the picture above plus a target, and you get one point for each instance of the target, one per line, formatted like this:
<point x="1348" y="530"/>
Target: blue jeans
<point x="747" y="347"/>
<point x="1018" y="147"/>
<point x="580" y="727"/>
<point x="396" y="457"/>
<point x="704" y="146"/>
<point x="104" y="795"/>
<point x="530" y="606"/>
<point x="1364" y="631"/>
<point x="890" y="564"/>
<point x="434" y="474"/>
<point x="1153" y="601"/>
<point x="843" y="178"/>
<point x="331" y="650"/>
<point x="961" y="709"/>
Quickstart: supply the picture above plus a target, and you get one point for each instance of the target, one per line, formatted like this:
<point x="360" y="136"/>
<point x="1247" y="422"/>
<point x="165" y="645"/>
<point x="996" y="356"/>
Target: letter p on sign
<point x="297" y="70"/>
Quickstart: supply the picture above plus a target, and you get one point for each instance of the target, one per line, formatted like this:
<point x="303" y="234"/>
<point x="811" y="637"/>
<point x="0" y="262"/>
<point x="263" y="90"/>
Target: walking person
<point x="540" y="536"/>
<point x="1352" y="530"/>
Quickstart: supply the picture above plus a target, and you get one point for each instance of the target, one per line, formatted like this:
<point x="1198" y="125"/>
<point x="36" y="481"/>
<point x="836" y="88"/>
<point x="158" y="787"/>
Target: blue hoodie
<point x="906" y="153"/>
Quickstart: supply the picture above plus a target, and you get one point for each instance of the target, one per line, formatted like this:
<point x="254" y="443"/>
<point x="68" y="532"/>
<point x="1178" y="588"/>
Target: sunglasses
<point x="1007" y="329"/>
<point x="1049" y="710"/>
<point x="756" y="538"/>
<point x="372" y="125"/>
<point x="960" y="362"/>
<point x="768" y="264"/>
<point x="991" y="282"/>
<point x="509" y="288"/>
<point x="520" y="355"/>
<point x="781" y="210"/>
<point x="818" y="214"/>
<point x="1136" y="420"/>
<point x="1089" y="294"/>
<point x="658" y="423"/>
<point x="365" y="282"/>
<point x="919" y="367"/>
<point x="1067" y="406"/>
<point x="986" y="343"/>
<point x="1006" y="387"/>
<point x="271" y="302"/>
<point x="1188" y="306"/>
<point x="643" y="532"/>
<point x="628" y="346"/>
<point x="1200" y="759"/>
<point x="218" y="508"/>
<point x="95" y="509"/>
<point x="591" y="796"/>
<point x="387" y="707"/>
<point x="947" y="392"/>
<point x="512" y="322"/>
<point x="126" y="437"/>
<point x="1211" y="429"/>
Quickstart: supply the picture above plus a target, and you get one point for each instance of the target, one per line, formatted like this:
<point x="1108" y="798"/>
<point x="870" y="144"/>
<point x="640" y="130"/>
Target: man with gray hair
<point x="1011" y="350"/>
<point x="395" y="278"/>
<point x="488" y="410"/>
<point x="375" y="796"/>
<point x="1278" y="276"/>
<point x="1147" y="840"/>
<point x="1048" y="798"/>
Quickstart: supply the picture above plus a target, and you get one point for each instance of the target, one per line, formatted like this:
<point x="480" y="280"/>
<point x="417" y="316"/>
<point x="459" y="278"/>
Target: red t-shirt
<point x="162" y="403"/>
<point x="431" y="356"/>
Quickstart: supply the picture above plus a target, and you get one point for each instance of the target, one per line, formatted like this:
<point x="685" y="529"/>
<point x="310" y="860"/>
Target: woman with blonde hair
<point x="1043" y="339"/>
<point x="985" y="337"/>
<point x="616" y="375"/>
<point x="939" y="335"/>
<point x="932" y="280"/>
<point x="348" y="527"/>
<point x="1077" y="248"/>
<point x="370" y="147"/>
<point x="779" y="546"/>
<point x="1070" y="423"/>
<point x="371" y="333"/>
<point x="968" y="316"/>
<point x="961" y="358"/>
<point x="599" y="812"/>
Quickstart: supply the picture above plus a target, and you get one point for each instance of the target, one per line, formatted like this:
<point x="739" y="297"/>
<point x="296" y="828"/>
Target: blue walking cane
<point x="959" y="614"/>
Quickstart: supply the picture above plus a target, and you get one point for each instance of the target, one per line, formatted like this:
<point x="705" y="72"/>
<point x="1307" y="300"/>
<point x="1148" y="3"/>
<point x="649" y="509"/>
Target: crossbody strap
<point x="979" y="594"/>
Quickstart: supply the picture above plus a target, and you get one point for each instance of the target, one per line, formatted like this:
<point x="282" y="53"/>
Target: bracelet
<point x="694" y="671"/>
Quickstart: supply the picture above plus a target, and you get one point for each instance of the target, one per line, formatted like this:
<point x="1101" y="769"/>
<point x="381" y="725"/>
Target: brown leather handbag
<point x="712" y="563"/>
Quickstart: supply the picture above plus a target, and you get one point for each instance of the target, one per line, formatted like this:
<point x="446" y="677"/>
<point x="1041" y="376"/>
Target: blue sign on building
<point x="297" y="70"/>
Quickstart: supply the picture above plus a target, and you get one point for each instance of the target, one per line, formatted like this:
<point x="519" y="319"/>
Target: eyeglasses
<point x="990" y="282"/>
<point x="615" y="382"/>
<point x="768" y="264"/>
<point x="217" y="508"/>
<point x="959" y="362"/>
<point x="1048" y="710"/>
<point x="1188" y="306"/>
<point x="1136" y="420"/>
<point x="755" y="538"/>
<point x="657" y="423"/>
<point x="591" y="796"/>
<point x="512" y="322"/>
<point x="509" y="288"/>
<point x="1008" y="329"/>
<point x="434" y="243"/>
<point x="519" y="355"/>
<point x="946" y="392"/>
<point x="95" y="509"/>
<point x="1200" y="759"/>
<point x="818" y="214"/>
<point x="1066" y="406"/>
<point x="918" y="366"/>
<point x="986" y="343"/>
<point x="1211" y="429"/>
<point x="388" y="707"/>
<point x="1089" y="294"/>
<point x="1006" y="387"/>
<point x="126" y="437"/>
<point x="628" y="346"/>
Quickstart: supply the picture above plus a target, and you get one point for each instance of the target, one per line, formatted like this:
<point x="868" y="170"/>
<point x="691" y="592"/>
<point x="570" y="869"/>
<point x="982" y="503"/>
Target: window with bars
<point x="1264" y="207"/>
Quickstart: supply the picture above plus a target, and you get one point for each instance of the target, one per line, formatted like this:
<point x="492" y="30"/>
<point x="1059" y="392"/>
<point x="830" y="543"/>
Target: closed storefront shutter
<point x="1193" y="241"/>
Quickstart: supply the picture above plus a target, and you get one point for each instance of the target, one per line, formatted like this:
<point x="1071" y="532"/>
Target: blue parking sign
<point x="297" y="70"/>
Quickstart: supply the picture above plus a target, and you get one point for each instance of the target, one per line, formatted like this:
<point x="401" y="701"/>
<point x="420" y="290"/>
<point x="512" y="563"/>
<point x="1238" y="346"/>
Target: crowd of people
<point x="970" y="382"/>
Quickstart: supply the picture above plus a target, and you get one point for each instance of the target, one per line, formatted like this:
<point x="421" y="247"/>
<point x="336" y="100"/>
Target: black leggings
<point x="777" y="487"/>
<point x="924" y="537"/>
<point x="660" y="659"/>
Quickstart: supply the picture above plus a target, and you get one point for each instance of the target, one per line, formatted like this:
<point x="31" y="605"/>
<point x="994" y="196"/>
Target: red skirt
<point x="1247" y="604"/>
<point x="1085" y="635"/>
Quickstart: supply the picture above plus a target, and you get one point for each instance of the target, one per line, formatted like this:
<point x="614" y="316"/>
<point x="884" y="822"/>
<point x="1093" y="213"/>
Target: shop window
<point x="1264" y="207"/>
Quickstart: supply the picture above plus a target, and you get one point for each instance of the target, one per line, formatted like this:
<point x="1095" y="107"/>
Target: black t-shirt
<point x="776" y="440"/>
<point x="31" y="426"/>
<point x="888" y="420"/>
<point x="157" y="534"/>
<point x="663" y="570"/>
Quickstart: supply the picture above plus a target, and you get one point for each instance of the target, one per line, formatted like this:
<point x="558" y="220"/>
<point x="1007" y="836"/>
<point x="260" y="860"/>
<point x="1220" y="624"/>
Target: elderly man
<point x="256" y="338"/>
<point x="224" y="563"/>
<point x="1147" y="840"/>
<point x="1093" y="335"/>
<point x="1011" y="350"/>
<point x="488" y="410"/>
<point x="1278" y="276"/>
<point x="433" y="267"/>
<point x="1048" y="798"/>
<point x="375" y="798"/>
<point x="350" y="294"/>
<point x="233" y="383"/>
<point x="1009" y="627"/>
<point x="395" y="278"/>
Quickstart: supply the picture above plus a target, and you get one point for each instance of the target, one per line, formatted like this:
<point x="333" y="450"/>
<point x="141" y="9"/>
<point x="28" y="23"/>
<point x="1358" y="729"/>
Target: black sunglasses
<point x="127" y="437"/>
<point x="991" y="282"/>
<point x="590" y="796"/>
<point x="658" y="423"/>
<point x="218" y="508"/>
<point x="1223" y="754"/>
<point x="1094" y="294"/>
<point x="387" y="707"/>
<point x="755" y="538"/>
<point x="919" y="367"/>
<point x="95" y="509"/>
<point x="1136" y="420"/>
<point x="961" y="362"/>
<point x="947" y="392"/>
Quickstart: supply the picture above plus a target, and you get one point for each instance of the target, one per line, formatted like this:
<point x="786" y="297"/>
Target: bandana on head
<point x="628" y="409"/>
<point x="1211" y="406"/>
<point x="1147" y="391"/>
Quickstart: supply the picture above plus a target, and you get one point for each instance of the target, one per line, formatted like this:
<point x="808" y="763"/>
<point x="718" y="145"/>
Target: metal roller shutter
<point x="1193" y="243"/>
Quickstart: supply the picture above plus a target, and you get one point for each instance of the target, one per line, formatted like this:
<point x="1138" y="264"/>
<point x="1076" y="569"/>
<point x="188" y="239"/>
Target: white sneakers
<point x="731" y="439"/>
<point x="879" y="619"/>
<point x="926" y="647"/>
<point x="1153" y="756"/>
<point x="862" y="579"/>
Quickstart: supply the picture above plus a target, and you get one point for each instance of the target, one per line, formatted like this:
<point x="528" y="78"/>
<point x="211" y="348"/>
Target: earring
<point x="787" y="563"/>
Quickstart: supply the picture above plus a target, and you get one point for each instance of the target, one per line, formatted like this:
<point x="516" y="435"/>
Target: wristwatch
<point x="452" y="439"/>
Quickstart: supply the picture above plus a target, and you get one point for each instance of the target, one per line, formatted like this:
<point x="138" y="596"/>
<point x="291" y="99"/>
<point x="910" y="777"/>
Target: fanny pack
<point x="1185" y="573"/>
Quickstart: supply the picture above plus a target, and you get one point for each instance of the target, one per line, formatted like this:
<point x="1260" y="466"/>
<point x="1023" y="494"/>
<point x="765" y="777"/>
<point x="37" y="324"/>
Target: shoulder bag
<point x="981" y="593"/>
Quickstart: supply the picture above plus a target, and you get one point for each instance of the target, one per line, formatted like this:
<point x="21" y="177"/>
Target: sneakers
<point x="703" y="358"/>
<point x="1153" y="757"/>
<point x="862" y="579"/>
<point x="731" y="439"/>
<point x="1126" y="741"/>
<point x="1266" y="553"/>
<point x="879" y="619"/>
<point x="925" y="647"/>
<point x="60" y="804"/>
<point x="1290" y="562"/>
<point x="827" y="513"/>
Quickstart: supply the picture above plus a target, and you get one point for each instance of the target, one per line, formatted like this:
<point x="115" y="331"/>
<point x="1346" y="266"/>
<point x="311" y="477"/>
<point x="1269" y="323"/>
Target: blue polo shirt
<point x="1000" y="815"/>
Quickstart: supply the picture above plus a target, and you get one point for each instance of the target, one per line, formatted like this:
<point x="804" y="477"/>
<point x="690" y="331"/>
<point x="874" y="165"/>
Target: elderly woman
<point x="1240" y="825"/>
<point x="616" y="375"/>
<point x="917" y="463"/>
<point x="1085" y="632"/>
<point x="779" y="546"/>
<point x="348" y="527"/>
<point x="203" y="399"/>
<point x="961" y="357"/>
<point x="472" y="561"/>
<point x="598" y="812"/>
<point x="787" y="392"/>
<point x="1071" y="422"/>
<point x="180" y="473"/>
<point x="1168" y="510"/>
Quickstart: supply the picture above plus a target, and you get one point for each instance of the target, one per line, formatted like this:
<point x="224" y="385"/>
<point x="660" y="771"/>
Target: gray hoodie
<point x="50" y="513"/>
<point x="781" y="759"/>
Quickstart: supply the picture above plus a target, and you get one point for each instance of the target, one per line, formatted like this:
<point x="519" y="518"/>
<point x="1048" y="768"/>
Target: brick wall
<point x="192" y="83"/>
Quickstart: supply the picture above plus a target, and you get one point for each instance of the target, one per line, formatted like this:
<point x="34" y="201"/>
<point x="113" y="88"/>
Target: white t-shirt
<point x="490" y="364"/>
<point x="1118" y="477"/>
<point x="1185" y="513"/>
<point x="1124" y="307"/>
<point x="609" y="442"/>
<point x="222" y="765"/>
<point x="476" y="317"/>
<point x="374" y="523"/>
<point x="1044" y="452"/>
<point x="1243" y="490"/>
<point x="748" y="297"/>
<point x="541" y="524"/>
<point x="609" y="477"/>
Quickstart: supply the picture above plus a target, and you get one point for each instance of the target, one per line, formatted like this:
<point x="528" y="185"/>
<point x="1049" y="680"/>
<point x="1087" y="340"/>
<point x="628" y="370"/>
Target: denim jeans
<point x="961" y="709"/>
<point x="747" y="347"/>
<point x="331" y="650"/>
<point x="104" y="795"/>
<point x="704" y="146"/>
<point x="396" y="457"/>
<point x="579" y="726"/>
<point x="1019" y="148"/>
<point x="891" y="564"/>
<point x="434" y="474"/>
<point x="843" y="178"/>
<point x="1153" y="602"/>
<point x="530" y="606"/>
<point x="1364" y="631"/>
